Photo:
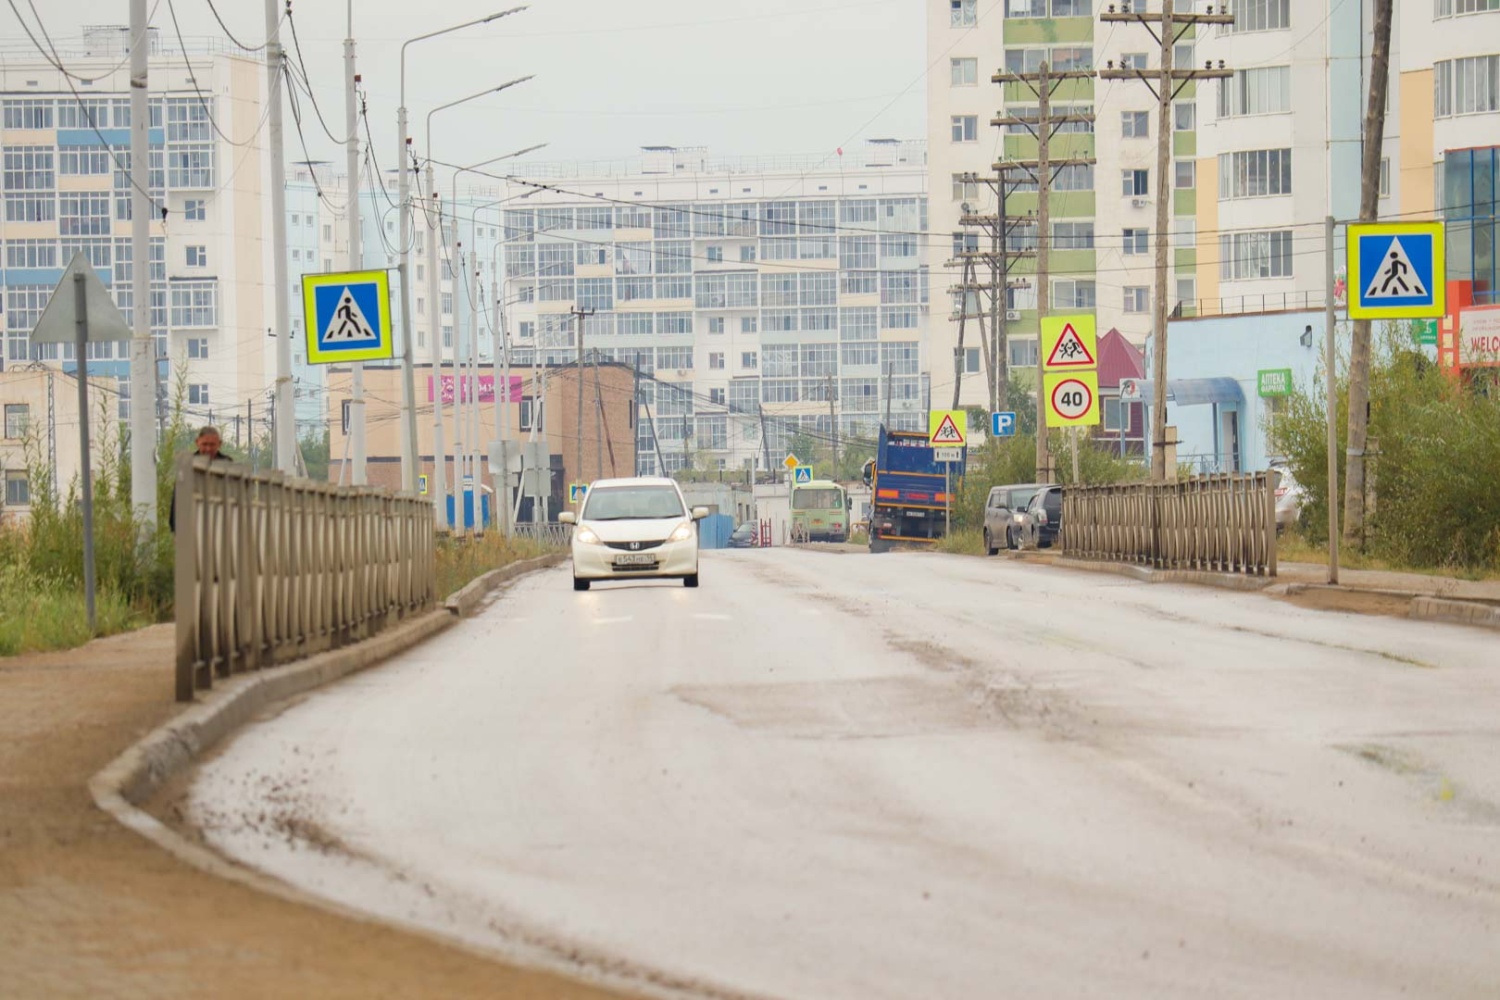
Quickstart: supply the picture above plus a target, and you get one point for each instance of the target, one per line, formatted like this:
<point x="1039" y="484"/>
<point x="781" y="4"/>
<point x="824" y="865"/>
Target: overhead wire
<point x="193" y="79"/>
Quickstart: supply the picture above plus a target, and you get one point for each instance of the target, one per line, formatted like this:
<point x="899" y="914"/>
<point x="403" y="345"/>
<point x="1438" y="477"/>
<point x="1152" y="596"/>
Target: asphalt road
<point x="908" y="775"/>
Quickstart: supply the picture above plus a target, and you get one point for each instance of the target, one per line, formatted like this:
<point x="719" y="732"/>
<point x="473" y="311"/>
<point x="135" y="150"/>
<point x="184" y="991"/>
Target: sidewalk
<point x="1415" y="584"/>
<point x="89" y="908"/>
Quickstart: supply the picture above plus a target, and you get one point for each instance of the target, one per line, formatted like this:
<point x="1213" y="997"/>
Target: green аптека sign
<point x="1272" y="382"/>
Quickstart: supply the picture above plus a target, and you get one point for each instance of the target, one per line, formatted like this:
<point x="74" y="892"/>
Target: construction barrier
<point x="272" y="569"/>
<point x="1214" y="523"/>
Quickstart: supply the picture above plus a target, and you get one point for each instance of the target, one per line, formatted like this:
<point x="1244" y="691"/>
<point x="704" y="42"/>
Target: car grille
<point x="636" y="546"/>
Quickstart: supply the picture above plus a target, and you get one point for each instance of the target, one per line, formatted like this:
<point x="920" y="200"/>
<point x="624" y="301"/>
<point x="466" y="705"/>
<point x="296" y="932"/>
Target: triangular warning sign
<point x="1070" y="351"/>
<point x="59" y="320"/>
<point x="348" y="323"/>
<point x="947" y="434"/>
<point x="1395" y="278"/>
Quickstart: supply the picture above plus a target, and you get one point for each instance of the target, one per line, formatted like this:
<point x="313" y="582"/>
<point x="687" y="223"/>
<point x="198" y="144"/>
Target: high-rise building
<point x="760" y="299"/>
<point x="66" y="149"/>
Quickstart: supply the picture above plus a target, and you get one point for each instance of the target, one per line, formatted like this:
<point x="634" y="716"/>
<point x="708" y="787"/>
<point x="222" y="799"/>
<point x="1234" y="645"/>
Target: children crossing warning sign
<point x="1396" y="270"/>
<point x="947" y="428"/>
<point x="347" y="317"/>
<point x="1069" y="343"/>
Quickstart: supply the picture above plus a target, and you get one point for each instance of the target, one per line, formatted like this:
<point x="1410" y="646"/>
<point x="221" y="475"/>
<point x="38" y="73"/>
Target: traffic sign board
<point x="1396" y="270"/>
<point x="1072" y="399"/>
<point x="802" y="474"/>
<point x="347" y="316"/>
<point x="947" y="454"/>
<point x="947" y="428"/>
<point x="576" y="491"/>
<point x="1069" y="343"/>
<point x="1003" y="425"/>
<point x="422" y="485"/>
<point x="791" y="461"/>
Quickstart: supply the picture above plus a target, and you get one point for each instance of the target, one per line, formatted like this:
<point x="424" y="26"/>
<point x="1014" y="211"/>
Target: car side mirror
<point x="699" y="513"/>
<point x="567" y="517"/>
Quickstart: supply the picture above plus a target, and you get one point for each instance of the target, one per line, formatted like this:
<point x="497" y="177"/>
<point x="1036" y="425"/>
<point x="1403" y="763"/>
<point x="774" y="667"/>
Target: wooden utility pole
<point x="833" y="418"/>
<point x="1359" y="349"/>
<point x="1000" y="260"/>
<point x="966" y="282"/>
<point x="1167" y="27"/>
<point x="1043" y="170"/>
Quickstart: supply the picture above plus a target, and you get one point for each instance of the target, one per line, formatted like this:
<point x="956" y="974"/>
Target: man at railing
<point x="207" y="444"/>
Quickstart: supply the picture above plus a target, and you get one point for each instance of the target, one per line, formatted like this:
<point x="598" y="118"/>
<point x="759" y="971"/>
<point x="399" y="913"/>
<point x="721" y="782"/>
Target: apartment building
<point x="760" y="299"/>
<point x="66" y="149"/>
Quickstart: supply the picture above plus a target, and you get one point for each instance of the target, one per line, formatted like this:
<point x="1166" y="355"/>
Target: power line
<point x="306" y="80"/>
<point x="193" y="79"/>
<point x="248" y="48"/>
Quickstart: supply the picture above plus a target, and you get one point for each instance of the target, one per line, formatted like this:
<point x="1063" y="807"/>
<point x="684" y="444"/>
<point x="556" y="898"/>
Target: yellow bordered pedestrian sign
<point x="1072" y="398"/>
<point x="1397" y="270"/>
<point x="1070" y="343"/>
<point x="947" y="428"/>
<point x="348" y="317"/>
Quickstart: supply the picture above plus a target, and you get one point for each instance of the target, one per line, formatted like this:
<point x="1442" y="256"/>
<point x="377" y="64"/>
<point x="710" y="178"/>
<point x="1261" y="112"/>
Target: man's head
<point x="208" y="441"/>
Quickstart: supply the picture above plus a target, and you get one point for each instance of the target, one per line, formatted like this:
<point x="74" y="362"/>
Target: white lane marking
<point x="715" y="618"/>
<point x="613" y="621"/>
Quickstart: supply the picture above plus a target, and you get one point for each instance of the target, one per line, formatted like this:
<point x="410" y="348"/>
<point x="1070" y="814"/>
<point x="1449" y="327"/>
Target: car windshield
<point x="1020" y="498"/>
<point x="632" y="503"/>
<point x="826" y="498"/>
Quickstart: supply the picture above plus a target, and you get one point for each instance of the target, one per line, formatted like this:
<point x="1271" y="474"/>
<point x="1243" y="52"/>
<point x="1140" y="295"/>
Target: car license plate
<point x="636" y="559"/>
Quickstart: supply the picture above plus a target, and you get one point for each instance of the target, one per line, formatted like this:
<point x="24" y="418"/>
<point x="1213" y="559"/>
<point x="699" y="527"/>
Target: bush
<point x="461" y="561"/>
<point x="1433" y="501"/>
<point x="1000" y="462"/>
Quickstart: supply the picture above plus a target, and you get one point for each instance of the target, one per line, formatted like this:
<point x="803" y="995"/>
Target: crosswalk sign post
<point x="347" y="317"/>
<point x="1397" y="270"/>
<point x="802" y="474"/>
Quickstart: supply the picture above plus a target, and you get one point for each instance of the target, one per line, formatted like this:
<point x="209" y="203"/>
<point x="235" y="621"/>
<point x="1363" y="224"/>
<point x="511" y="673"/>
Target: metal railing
<point x="1217" y="523"/>
<point x="271" y="569"/>
<point x="550" y="534"/>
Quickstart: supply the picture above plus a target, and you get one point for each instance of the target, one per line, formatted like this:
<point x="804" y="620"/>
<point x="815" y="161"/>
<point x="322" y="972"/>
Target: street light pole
<point x="286" y="417"/>
<point x="409" y="457"/>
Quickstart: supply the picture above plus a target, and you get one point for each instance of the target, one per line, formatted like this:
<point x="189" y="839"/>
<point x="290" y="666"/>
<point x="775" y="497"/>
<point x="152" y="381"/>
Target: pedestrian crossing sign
<point x="347" y="317"/>
<point x="802" y="474"/>
<point x="1396" y="270"/>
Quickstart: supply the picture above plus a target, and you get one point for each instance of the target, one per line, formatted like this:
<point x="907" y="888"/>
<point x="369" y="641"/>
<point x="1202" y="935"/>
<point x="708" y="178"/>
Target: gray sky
<point x="760" y="77"/>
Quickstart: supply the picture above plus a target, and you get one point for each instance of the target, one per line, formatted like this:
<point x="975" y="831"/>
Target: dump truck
<point x="911" y="492"/>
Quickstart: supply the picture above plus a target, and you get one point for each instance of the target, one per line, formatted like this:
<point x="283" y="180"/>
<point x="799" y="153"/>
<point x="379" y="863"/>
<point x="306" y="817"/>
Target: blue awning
<point x="1195" y="391"/>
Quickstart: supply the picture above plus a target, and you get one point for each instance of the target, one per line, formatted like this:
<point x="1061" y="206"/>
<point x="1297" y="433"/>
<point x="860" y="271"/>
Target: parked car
<point x="634" y="527"/>
<point x="744" y="537"/>
<point x="1000" y="510"/>
<point x="1290" y="496"/>
<point x="1043" y="518"/>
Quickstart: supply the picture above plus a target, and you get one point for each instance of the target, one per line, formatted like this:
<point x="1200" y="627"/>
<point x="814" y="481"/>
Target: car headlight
<point x="1020" y="518"/>
<point x="586" y="536"/>
<point x="683" y="533"/>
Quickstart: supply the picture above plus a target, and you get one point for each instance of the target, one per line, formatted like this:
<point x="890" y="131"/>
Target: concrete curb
<point x="1145" y="574"/>
<point x="466" y="601"/>
<point x="1440" y="609"/>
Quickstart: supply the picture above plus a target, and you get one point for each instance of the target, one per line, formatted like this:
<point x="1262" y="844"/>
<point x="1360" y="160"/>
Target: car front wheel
<point x="580" y="584"/>
<point x="1010" y="539"/>
<point x="989" y="549"/>
<point x="691" y="580"/>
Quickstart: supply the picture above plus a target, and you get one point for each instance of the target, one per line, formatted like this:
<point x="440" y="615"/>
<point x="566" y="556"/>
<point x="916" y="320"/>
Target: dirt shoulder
<point x="89" y="908"/>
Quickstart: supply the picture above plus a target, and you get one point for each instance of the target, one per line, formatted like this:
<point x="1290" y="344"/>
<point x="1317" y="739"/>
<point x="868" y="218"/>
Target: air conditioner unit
<point x="1139" y="202"/>
<point x="684" y="372"/>
<point x="1012" y="315"/>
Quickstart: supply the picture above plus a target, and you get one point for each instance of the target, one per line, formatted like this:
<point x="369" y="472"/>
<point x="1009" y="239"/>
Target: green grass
<point x="962" y="542"/>
<point x="460" y="561"/>
<point x="1293" y="547"/>
<point x="39" y="615"/>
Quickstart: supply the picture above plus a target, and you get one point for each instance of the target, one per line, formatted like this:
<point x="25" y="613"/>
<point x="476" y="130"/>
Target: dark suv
<point x="1044" y="518"/>
<point x="1004" y="511"/>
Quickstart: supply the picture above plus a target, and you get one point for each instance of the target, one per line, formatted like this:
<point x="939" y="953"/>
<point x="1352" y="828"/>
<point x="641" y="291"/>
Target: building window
<point x="1135" y="124"/>
<point x="17" y="489"/>
<point x="716" y="255"/>
<point x="1111" y="411"/>
<point x="1466" y="86"/>
<point x="1263" y="91"/>
<point x="447" y="335"/>
<point x="964" y="72"/>
<point x="197" y="256"/>
<point x="716" y="324"/>
<point x="197" y="348"/>
<point x="749" y="360"/>
<point x="1073" y="294"/>
<point x="1184" y="114"/>
<point x="1256" y="173"/>
<point x="965" y="188"/>
<point x="716" y="359"/>
<point x="1074" y="177"/>
<point x="1248" y="256"/>
<point x="1447" y="8"/>
<point x="1072" y="236"/>
<point x="17" y="416"/>
<point x="1187" y="294"/>
<point x="1137" y="241"/>
<point x="1135" y="183"/>
<point x="962" y="14"/>
<point x="1137" y="299"/>
<point x="965" y="128"/>
<point x="748" y="324"/>
<point x="747" y="253"/>
<point x="1185" y="174"/>
<point x="1133" y="60"/>
<point x="971" y="360"/>
<point x="84" y="161"/>
<point x="1023" y="353"/>
<point x="531" y="414"/>
<point x="33" y="115"/>
<point x="1262" y="15"/>
<point x="194" y="304"/>
<point x="327" y="232"/>
<point x="1385" y="173"/>
<point x="198" y="394"/>
<point x="1184" y="232"/>
<point x="195" y="210"/>
<point x="716" y="395"/>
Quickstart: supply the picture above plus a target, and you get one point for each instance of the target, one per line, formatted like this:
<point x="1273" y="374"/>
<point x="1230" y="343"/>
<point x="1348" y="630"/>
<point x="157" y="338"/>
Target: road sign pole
<point x="1330" y="376"/>
<point x="947" y="498"/>
<point x="81" y="347"/>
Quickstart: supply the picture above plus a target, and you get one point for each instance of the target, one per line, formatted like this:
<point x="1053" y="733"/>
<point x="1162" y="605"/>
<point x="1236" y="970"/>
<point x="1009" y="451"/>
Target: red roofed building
<point x="1123" y="424"/>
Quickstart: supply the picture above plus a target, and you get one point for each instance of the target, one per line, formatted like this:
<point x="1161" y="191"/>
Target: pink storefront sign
<point x="486" y="388"/>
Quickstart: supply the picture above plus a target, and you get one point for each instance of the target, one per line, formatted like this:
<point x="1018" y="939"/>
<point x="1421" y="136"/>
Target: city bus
<point x="820" y="512"/>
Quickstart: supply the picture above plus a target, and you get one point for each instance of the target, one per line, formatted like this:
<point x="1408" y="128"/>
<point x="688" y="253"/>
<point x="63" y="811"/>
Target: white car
<point x="634" y="527"/>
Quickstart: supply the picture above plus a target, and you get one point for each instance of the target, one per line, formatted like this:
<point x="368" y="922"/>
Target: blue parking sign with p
<point x="348" y="317"/>
<point x="1003" y="425"/>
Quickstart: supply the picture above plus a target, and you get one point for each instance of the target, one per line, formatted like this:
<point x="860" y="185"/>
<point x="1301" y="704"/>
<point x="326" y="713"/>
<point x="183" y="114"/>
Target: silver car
<point x="1002" y="509"/>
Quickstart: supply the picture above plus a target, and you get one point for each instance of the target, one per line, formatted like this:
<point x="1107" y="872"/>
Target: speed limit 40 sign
<point x="1072" y="399"/>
